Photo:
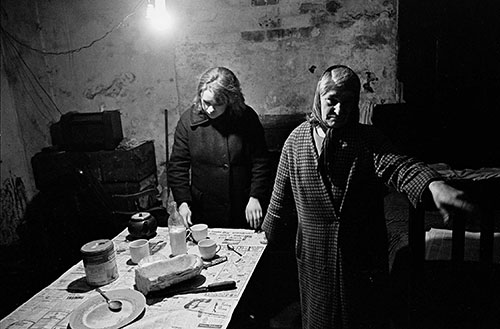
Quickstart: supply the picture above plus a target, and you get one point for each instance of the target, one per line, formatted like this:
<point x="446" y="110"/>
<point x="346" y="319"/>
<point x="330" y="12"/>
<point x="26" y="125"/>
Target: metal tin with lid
<point x="99" y="260"/>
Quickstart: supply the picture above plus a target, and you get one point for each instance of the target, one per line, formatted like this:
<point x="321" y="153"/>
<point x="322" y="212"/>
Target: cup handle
<point x="218" y="248"/>
<point x="189" y="235"/>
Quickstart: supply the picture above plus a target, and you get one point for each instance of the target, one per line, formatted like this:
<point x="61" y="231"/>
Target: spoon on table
<point x="114" y="305"/>
<point x="234" y="250"/>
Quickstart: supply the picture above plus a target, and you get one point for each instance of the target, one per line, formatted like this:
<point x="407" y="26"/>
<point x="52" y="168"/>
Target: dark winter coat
<point x="216" y="165"/>
<point x="341" y="242"/>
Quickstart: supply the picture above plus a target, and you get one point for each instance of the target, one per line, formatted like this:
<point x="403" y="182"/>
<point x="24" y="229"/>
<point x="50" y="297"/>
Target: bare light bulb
<point x="158" y="16"/>
<point x="150" y="9"/>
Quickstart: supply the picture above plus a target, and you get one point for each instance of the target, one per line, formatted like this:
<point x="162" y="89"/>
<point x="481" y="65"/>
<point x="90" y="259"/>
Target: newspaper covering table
<point x="52" y="307"/>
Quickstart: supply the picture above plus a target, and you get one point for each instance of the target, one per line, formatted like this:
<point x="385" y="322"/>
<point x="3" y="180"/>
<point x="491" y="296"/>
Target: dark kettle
<point x="142" y="225"/>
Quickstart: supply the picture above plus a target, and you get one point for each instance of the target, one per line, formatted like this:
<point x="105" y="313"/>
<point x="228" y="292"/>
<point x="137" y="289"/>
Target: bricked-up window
<point x="264" y="2"/>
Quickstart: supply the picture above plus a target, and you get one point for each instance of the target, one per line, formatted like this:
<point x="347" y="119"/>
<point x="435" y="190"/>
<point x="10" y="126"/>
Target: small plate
<point x="94" y="313"/>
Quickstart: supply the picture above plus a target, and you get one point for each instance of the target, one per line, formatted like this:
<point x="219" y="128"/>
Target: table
<point x="52" y="306"/>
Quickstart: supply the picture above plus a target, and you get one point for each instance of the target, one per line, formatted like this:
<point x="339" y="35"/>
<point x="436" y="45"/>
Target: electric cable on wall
<point x="75" y="50"/>
<point x="20" y="67"/>
<point x="10" y="42"/>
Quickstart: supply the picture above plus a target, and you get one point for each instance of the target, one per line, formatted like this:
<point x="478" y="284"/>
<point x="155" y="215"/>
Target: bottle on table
<point x="176" y="231"/>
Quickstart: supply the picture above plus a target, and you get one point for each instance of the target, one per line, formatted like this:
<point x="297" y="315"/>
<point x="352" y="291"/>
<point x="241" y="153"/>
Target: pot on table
<point x="142" y="225"/>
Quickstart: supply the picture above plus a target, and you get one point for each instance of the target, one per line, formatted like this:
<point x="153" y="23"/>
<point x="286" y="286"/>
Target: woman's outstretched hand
<point x="448" y="199"/>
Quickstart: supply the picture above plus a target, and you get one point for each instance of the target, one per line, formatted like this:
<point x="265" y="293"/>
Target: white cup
<point x="199" y="231"/>
<point x="138" y="250"/>
<point x="208" y="248"/>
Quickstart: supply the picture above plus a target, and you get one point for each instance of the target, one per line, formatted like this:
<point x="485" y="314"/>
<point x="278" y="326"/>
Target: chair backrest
<point x="277" y="127"/>
<point x="484" y="193"/>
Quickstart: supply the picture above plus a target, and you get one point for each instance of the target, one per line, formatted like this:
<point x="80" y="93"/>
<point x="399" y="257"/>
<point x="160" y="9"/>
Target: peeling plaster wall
<point x="118" y="62"/>
<point x="272" y="47"/>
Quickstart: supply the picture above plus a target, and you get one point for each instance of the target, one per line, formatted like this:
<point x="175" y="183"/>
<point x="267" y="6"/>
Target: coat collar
<point x="197" y="116"/>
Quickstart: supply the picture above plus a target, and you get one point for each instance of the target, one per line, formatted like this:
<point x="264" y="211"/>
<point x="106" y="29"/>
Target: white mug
<point x="199" y="232"/>
<point x="208" y="248"/>
<point x="138" y="250"/>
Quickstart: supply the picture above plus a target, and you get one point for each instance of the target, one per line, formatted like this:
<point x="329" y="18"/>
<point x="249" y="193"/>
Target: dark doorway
<point x="449" y="64"/>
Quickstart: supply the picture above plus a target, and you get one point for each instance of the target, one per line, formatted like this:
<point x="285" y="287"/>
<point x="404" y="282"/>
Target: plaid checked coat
<point x="341" y="241"/>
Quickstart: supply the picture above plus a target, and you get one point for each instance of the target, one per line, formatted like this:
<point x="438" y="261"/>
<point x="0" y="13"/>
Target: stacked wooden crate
<point x="127" y="175"/>
<point x="94" y="171"/>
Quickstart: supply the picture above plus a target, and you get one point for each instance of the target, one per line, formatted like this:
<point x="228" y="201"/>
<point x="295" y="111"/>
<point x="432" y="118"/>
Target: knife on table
<point x="216" y="286"/>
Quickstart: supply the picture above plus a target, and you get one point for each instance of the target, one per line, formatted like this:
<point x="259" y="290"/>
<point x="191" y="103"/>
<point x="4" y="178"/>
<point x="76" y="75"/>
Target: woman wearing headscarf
<point x="333" y="170"/>
<point x="219" y="169"/>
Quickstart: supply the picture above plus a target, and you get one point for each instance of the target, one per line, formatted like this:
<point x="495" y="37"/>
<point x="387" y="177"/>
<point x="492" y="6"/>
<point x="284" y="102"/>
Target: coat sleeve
<point x="261" y="169"/>
<point x="406" y="174"/>
<point x="282" y="203"/>
<point x="178" y="172"/>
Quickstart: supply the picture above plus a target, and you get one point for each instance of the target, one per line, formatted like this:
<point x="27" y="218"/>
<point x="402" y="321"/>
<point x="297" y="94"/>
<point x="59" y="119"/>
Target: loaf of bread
<point x="159" y="273"/>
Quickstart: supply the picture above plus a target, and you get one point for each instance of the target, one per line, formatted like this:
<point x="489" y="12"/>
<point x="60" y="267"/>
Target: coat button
<point x="225" y="166"/>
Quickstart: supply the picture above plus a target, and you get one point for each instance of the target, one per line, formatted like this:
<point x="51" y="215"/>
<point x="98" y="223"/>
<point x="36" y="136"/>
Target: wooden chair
<point x="485" y="194"/>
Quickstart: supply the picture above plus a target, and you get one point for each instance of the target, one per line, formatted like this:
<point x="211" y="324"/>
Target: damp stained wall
<point x="103" y="55"/>
<point x="24" y="116"/>
<point x="15" y="171"/>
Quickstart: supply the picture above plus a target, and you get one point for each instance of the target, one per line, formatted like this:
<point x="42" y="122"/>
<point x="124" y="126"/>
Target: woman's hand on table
<point x="448" y="199"/>
<point x="253" y="213"/>
<point x="185" y="213"/>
